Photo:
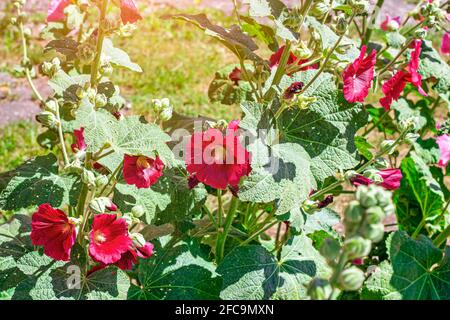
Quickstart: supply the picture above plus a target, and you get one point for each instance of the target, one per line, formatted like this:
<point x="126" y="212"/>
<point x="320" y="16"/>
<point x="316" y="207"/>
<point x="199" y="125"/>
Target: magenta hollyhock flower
<point x="109" y="238"/>
<point x="56" y="10"/>
<point x="52" y="229"/>
<point x="235" y="75"/>
<point x="325" y="202"/>
<point x="111" y="206"/>
<point x="358" y="76"/>
<point x="217" y="160"/>
<point x="391" y="23"/>
<point x="360" y="180"/>
<point x="142" y="171"/>
<point x="129" y="258"/>
<point x="129" y="12"/>
<point x="80" y="143"/>
<point x="391" y="178"/>
<point x="393" y="88"/>
<point x="292" y="90"/>
<point x="146" y="251"/>
<point x="445" y="45"/>
<point x="444" y="149"/>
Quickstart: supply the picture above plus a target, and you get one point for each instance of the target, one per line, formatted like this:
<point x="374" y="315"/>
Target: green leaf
<point x="14" y="241"/>
<point x="234" y="39"/>
<point x="66" y="47"/>
<point x="329" y="39"/>
<point x="260" y="31"/>
<point x="326" y="130"/>
<point x="62" y="83"/>
<point x="364" y="147"/>
<point x="286" y="178"/>
<point x="419" y="196"/>
<point x="131" y="135"/>
<point x="118" y="57"/>
<point x="404" y="110"/>
<point x="417" y="271"/>
<point x="251" y="272"/>
<point x="179" y="270"/>
<point x="277" y="11"/>
<point x="428" y="150"/>
<point x="324" y="219"/>
<point x="36" y="182"/>
<point x="395" y="39"/>
<point x="431" y="65"/>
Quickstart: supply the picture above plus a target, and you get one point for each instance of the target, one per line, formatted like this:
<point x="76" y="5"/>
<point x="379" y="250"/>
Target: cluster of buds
<point x="320" y="8"/>
<point x="86" y="53"/>
<point x="50" y="68"/>
<point x="363" y="221"/>
<point x="431" y="12"/>
<point x="293" y="18"/>
<point x="359" y="7"/>
<point x="162" y="108"/>
<point x="134" y="216"/>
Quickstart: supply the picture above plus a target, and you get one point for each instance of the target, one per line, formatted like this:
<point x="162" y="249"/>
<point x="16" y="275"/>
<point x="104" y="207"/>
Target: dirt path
<point x="16" y="101"/>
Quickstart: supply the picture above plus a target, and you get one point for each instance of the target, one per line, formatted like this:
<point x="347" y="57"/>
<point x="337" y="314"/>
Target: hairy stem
<point x="222" y="237"/>
<point x="373" y="20"/>
<point x="61" y="135"/>
<point x="100" y="38"/>
<point x="405" y="47"/>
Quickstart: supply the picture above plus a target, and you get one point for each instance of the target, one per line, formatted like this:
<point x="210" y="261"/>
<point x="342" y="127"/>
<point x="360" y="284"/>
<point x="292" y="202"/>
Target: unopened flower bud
<point x="86" y="53"/>
<point x="166" y="114"/>
<point x="421" y="33"/>
<point x="91" y="93"/>
<point x="98" y="205"/>
<point x="106" y="69"/>
<point x="341" y="24"/>
<point x="47" y="119"/>
<point x="366" y="196"/>
<point x="320" y="8"/>
<point x="387" y="146"/>
<point x="301" y="51"/>
<point x="384" y="197"/>
<point x="319" y="289"/>
<point x="330" y="249"/>
<point x="100" y="100"/>
<point x="51" y="106"/>
<point x="128" y="218"/>
<point x="158" y="105"/>
<point x="101" y="181"/>
<point x="357" y="247"/>
<point x="410" y="124"/>
<point x="351" y="279"/>
<point x="375" y="215"/>
<point x="374" y="232"/>
<point x="359" y="6"/>
<point x="138" y="211"/>
<point x="354" y="212"/>
<point x="88" y="178"/>
<point x="138" y="239"/>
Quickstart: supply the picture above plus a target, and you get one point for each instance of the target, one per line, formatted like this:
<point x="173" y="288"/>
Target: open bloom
<point x="445" y="45"/>
<point x="142" y="171"/>
<point x="56" y="10"/>
<point x="109" y="238"/>
<point x="80" y="143"/>
<point x="444" y="149"/>
<point x="129" y="258"/>
<point x="391" y="179"/>
<point x="52" y="229"/>
<point x="391" y="23"/>
<point x="216" y="159"/>
<point x="358" y="76"/>
<point x="129" y="13"/>
<point x="394" y="87"/>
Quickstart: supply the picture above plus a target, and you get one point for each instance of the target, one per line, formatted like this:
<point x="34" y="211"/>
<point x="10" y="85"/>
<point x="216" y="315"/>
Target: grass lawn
<point x="179" y="62"/>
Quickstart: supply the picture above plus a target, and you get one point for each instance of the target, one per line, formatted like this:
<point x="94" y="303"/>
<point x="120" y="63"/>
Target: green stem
<point x="405" y="47"/>
<point x="222" y="237"/>
<point x="111" y="177"/>
<point x="441" y="238"/>
<point x="340" y="266"/>
<point x="84" y="189"/>
<point x="219" y="208"/>
<point x="280" y="72"/>
<point x="327" y="58"/>
<point x="419" y="228"/>
<point x="101" y="37"/>
<point x="61" y="135"/>
<point x="259" y="232"/>
<point x="372" y="22"/>
<point x="376" y="124"/>
<point x="208" y="212"/>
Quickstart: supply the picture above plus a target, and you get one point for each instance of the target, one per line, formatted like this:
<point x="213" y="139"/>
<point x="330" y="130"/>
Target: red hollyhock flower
<point x="56" y="10"/>
<point x="360" y="180"/>
<point x="276" y="57"/>
<point x="52" y="229"/>
<point x="80" y="143"/>
<point x="393" y="88"/>
<point x="413" y="67"/>
<point x="391" y="178"/>
<point x="129" y="258"/>
<point x="129" y="12"/>
<point x="146" y="251"/>
<point x="216" y="159"/>
<point x="235" y="75"/>
<point x="109" y="238"/>
<point x="111" y="206"/>
<point x="445" y="45"/>
<point x="292" y="90"/>
<point x="358" y="76"/>
<point x="142" y="171"/>
<point x="325" y="202"/>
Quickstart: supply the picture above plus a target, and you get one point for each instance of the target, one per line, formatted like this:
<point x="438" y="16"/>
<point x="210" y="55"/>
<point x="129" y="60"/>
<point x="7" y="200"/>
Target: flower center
<point x="219" y="153"/>
<point x="142" y="162"/>
<point x="99" y="237"/>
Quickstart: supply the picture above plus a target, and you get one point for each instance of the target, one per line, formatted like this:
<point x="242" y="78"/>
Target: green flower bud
<point x="359" y="6"/>
<point x="51" y="106"/>
<point x="421" y="33"/>
<point x="86" y="53"/>
<point x="88" y="178"/>
<point x="387" y="146"/>
<point x="106" y="69"/>
<point x="375" y="215"/>
<point x="138" y="211"/>
<point x="384" y="197"/>
<point x="101" y="181"/>
<point x="166" y="114"/>
<point x="351" y="279"/>
<point x="410" y="124"/>
<point x="293" y="19"/>
<point x="319" y="289"/>
<point x="91" y="93"/>
<point x="98" y="205"/>
<point x="75" y="221"/>
<point x="373" y="175"/>
<point x="320" y="8"/>
<point x="357" y="247"/>
<point x="302" y="51"/>
<point x="138" y="239"/>
<point x="47" y="119"/>
<point x="330" y="249"/>
<point x="341" y="24"/>
<point x="366" y="196"/>
<point x="128" y="218"/>
<point x="374" y="232"/>
<point x="354" y="212"/>
<point x="100" y="100"/>
<point x="158" y="105"/>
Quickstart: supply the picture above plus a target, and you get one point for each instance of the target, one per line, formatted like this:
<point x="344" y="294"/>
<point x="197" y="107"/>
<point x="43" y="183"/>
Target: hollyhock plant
<point x="56" y="10"/>
<point x="413" y="67"/>
<point x="391" y="179"/>
<point x="52" y="229"/>
<point x="217" y="160"/>
<point x="80" y="143"/>
<point x="391" y="23"/>
<point x="445" y="45"/>
<point x="358" y="76"/>
<point x="109" y="238"/>
<point x="129" y="12"/>
<point x="142" y="171"/>
<point x="444" y="149"/>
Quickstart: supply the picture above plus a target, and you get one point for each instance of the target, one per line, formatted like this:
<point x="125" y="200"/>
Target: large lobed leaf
<point x="251" y="272"/>
<point x="36" y="182"/>
<point x="417" y="271"/>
